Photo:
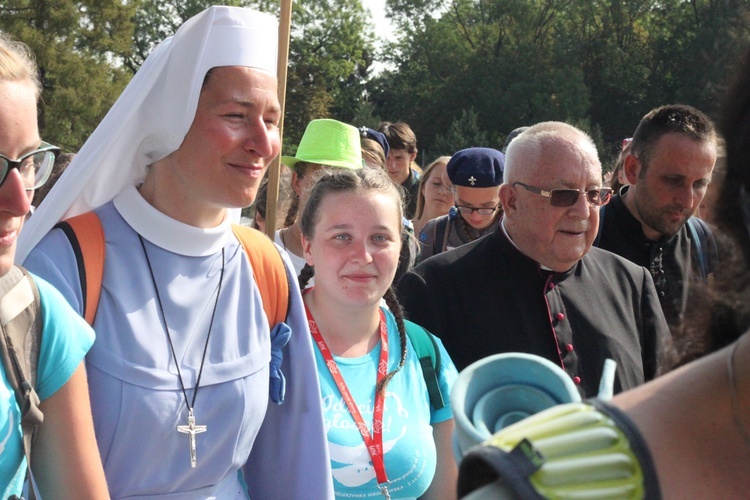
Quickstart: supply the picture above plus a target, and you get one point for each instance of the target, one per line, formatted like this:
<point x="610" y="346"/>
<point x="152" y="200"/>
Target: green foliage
<point x="88" y="50"/>
<point x="462" y="133"/>
<point x="461" y="70"/>
<point x="156" y="20"/>
<point x="330" y="53"/>
<point x="602" y="64"/>
<point x="76" y="44"/>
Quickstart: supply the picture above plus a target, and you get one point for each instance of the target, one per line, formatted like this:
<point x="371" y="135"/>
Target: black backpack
<point x="21" y="322"/>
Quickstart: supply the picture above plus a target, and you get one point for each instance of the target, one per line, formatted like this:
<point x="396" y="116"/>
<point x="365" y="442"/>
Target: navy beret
<point x="376" y="136"/>
<point x="476" y="167"/>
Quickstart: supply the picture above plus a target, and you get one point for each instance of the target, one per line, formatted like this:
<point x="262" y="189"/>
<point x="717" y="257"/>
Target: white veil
<point x="152" y="116"/>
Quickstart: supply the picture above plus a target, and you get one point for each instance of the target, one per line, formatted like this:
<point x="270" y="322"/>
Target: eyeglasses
<point x="481" y="211"/>
<point x="569" y="197"/>
<point x="34" y="167"/>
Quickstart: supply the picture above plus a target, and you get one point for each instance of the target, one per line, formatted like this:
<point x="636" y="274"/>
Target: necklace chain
<point x="189" y="404"/>
<point x="733" y="396"/>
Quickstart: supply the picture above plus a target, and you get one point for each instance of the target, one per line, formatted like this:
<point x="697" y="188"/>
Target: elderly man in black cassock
<point x="536" y="285"/>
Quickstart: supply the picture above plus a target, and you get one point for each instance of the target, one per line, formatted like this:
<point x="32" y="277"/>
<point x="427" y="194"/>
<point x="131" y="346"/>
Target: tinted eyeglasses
<point x="569" y="197"/>
<point x="34" y="167"/>
<point x="466" y="210"/>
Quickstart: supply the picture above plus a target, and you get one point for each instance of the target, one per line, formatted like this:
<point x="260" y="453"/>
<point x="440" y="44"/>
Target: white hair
<point x="525" y="151"/>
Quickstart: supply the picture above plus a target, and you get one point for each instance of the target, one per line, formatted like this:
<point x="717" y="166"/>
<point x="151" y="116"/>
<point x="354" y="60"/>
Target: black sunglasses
<point x="569" y="197"/>
<point x="467" y="210"/>
<point x="34" y="167"/>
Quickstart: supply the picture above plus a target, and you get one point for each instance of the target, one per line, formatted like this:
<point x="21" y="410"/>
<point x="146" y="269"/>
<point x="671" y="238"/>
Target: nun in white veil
<point x="179" y="373"/>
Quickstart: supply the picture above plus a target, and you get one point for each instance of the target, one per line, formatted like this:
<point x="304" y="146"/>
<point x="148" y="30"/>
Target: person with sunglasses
<point x="64" y="458"/>
<point x="476" y="175"/>
<point x="683" y="435"/>
<point x="535" y="285"/>
<point x="651" y="222"/>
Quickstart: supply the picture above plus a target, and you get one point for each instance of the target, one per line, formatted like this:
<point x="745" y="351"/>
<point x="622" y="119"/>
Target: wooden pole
<point x="285" y="24"/>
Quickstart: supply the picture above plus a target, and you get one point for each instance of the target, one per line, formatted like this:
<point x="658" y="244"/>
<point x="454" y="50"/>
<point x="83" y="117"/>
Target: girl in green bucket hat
<point x="326" y="144"/>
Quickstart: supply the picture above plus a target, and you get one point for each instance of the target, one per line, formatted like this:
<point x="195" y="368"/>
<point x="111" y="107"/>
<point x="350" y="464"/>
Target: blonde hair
<point x="17" y="63"/>
<point x="426" y="174"/>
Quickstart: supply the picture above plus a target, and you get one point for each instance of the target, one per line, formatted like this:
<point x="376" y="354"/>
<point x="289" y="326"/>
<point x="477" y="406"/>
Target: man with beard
<point x="651" y="223"/>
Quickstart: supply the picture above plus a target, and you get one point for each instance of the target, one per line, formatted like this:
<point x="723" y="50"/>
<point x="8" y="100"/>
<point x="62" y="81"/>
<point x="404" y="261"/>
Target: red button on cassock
<point x="577" y="380"/>
<point x="560" y="316"/>
<point x="569" y="347"/>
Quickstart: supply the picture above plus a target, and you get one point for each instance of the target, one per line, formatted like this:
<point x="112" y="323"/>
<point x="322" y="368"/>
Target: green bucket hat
<point x="328" y="142"/>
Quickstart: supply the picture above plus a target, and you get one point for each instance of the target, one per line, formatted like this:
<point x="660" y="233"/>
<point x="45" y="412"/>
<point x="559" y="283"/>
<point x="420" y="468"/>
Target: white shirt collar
<point x="167" y="232"/>
<point x="502" y="226"/>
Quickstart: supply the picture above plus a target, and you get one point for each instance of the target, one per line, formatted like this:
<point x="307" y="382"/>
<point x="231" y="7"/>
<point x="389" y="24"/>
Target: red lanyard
<point x="374" y="443"/>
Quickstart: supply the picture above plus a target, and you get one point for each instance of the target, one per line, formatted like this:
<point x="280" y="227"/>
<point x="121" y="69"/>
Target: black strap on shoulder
<point x="76" y="245"/>
<point x="20" y="342"/>
<point x="441" y="230"/>
<point x="429" y="358"/>
<point x="484" y="464"/>
<point x="601" y="225"/>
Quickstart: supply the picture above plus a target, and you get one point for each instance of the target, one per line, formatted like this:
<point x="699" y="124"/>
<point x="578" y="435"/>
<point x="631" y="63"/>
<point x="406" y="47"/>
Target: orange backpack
<point x="87" y="239"/>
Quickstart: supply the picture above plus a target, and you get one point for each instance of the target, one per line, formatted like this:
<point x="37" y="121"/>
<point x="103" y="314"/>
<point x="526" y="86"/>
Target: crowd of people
<point x="182" y="355"/>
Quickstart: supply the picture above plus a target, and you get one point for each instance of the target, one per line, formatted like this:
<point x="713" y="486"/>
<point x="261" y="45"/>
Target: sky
<point x="383" y="27"/>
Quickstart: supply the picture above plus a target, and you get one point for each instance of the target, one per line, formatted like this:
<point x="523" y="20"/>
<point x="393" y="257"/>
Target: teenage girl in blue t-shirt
<point x="383" y="436"/>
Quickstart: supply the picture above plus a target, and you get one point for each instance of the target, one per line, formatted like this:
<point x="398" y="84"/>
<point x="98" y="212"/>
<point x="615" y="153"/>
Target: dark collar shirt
<point x="411" y="193"/>
<point x="669" y="260"/>
<point x="486" y="297"/>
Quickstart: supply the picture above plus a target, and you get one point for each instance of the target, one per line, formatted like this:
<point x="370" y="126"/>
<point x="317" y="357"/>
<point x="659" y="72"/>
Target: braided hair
<point x="301" y="168"/>
<point x="361" y="181"/>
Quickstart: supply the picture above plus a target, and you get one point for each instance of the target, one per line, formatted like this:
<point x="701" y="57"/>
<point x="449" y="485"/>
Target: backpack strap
<point x="428" y="353"/>
<point x="86" y="237"/>
<point x="87" y="228"/>
<point x="20" y="342"/>
<point x="703" y="240"/>
<point x="442" y="231"/>
<point x="269" y="272"/>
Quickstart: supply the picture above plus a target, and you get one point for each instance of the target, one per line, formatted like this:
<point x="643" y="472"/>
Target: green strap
<point x="429" y="358"/>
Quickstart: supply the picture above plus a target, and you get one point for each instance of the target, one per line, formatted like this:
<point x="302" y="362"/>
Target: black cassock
<point x="486" y="297"/>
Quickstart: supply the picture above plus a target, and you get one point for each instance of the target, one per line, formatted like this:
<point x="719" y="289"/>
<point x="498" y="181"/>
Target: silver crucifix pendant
<point x="191" y="430"/>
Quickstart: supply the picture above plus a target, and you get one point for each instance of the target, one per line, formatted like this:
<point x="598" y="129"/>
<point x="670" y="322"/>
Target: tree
<point x="330" y="54"/>
<point x="76" y="44"/>
<point x="88" y="50"/>
<point x="640" y="54"/>
<point x="156" y="20"/>
<point x="462" y="133"/>
<point x="517" y="62"/>
<point x="499" y="57"/>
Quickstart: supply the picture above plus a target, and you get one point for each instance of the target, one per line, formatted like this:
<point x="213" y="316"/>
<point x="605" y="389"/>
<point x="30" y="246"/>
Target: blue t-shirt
<point x="410" y="456"/>
<point x="66" y="338"/>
